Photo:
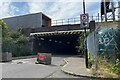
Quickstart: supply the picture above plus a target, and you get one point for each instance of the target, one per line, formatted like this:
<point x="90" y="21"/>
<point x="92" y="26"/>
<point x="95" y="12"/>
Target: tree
<point x="5" y="36"/>
<point x="4" y="28"/>
<point x="14" y="42"/>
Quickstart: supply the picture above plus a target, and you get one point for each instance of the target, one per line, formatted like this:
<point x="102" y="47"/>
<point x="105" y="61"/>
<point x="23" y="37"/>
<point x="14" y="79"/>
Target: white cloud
<point x="4" y="8"/>
<point x="50" y="0"/>
<point x="66" y="10"/>
<point x="35" y="7"/>
<point x="58" y="10"/>
<point x="55" y="9"/>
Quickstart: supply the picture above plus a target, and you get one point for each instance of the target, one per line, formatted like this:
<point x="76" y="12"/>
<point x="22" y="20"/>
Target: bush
<point x="20" y="44"/>
<point x="106" y="69"/>
<point x="14" y="42"/>
<point x="116" y="68"/>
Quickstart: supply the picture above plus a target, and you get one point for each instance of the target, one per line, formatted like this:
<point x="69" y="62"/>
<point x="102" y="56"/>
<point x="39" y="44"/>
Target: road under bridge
<point x="57" y="42"/>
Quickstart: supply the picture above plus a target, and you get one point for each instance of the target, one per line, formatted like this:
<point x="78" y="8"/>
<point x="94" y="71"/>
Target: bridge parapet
<point x="27" y="31"/>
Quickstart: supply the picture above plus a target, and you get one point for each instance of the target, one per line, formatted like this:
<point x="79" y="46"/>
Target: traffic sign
<point x="84" y="18"/>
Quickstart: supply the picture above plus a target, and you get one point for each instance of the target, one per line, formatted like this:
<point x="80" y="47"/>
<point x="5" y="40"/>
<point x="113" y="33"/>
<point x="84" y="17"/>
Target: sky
<point x="55" y="9"/>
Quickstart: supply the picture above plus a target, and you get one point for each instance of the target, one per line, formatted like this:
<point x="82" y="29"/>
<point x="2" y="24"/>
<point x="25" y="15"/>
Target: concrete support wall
<point x="91" y="45"/>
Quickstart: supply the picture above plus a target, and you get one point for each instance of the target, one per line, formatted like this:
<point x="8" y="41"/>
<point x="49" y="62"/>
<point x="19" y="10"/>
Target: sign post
<point x="84" y="18"/>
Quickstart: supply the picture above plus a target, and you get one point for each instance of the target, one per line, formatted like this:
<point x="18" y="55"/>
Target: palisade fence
<point x="18" y="50"/>
<point x="71" y="21"/>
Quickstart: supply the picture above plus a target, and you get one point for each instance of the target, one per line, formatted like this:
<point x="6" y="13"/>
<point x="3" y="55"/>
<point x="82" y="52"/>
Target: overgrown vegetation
<point x="107" y="63"/>
<point x="81" y="43"/>
<point x="14" y="42"/>
<point x="80" y="46"/>
<point x="106" y="69"/>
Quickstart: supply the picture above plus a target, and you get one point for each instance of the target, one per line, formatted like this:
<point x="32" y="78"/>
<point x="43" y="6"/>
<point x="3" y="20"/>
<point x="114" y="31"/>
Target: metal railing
<point x="76" y="20"/>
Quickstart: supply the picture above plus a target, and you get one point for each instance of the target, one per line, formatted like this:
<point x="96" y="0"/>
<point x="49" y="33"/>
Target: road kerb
<point x="79" y="75"/>
<point x="71" y="73"/>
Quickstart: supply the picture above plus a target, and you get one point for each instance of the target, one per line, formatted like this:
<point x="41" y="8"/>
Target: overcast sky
<point x="55" y="9"/>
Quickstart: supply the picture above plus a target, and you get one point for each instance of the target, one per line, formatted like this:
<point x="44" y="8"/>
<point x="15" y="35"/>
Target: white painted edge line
<point x="66" y="63"/>
<point x="68" y="72"/>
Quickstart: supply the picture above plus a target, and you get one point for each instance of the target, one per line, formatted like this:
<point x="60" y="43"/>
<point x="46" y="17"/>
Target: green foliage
<point x="22" y="40"/>
<point x="14" y="42"/>
<point x="4" y="28"/>
<point x="15" y="35"/>
<point x="80" y="45"/>
<point x="90" y="60"/>
<point x="19" y="44"/>
<point x="106" y="69"/>
<point x="116" y="68"/>
<point x="19" y="38"/>
<point x="3" y="25"/>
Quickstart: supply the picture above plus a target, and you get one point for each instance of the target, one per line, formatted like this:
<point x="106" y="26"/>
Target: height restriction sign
<point x="84" y="18"/>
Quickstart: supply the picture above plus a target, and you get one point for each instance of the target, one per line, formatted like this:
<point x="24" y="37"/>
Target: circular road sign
<point x="84" y="17"/>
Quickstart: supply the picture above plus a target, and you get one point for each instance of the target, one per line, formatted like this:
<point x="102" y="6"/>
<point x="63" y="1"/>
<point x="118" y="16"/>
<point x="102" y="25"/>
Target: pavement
<point x="76" y="66"/>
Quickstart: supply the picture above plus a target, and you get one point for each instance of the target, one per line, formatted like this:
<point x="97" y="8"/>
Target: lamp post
<point x="86" y="55"/>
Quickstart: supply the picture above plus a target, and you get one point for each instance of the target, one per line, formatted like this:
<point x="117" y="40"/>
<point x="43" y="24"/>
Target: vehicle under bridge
<point x="57" y="42"/>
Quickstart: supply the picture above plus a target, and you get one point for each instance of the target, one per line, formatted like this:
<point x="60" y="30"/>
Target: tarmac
<point x="75" y="66"/>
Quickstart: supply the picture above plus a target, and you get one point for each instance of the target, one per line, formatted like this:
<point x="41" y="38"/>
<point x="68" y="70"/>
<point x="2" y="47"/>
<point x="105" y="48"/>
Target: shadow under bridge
<point x="57" y="42"/>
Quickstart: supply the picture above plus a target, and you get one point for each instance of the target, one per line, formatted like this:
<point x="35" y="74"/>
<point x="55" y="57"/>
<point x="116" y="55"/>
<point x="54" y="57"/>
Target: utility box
<point x="6" y="57"/>
<point x="44" y="58"/>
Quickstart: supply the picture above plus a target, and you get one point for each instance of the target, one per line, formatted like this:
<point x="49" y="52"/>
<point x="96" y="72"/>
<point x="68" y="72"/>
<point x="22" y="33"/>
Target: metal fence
<point x="76" y="20"/>
<point x="17" y="50"/>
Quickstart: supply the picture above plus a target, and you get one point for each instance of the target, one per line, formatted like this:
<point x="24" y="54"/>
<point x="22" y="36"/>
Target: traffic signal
<point x="107" y="4"/>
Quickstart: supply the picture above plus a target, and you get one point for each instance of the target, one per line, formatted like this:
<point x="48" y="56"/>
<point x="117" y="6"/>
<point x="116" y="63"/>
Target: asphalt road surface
<point x="26" y="68"/>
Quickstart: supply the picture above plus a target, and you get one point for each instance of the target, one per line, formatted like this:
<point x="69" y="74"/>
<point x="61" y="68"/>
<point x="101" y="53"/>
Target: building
<point x="28" y="21"/>
<point x="119" y="11"/>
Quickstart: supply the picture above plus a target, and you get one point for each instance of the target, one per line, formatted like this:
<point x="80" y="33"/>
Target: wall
<point x="104" y="42"/>
<point x="25" y="21"/>
<point x="91" y="44"/>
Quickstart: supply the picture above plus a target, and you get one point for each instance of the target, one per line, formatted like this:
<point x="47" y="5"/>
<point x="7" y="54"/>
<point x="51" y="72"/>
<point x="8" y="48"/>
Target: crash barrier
<point x="6" y="57"/>
<point x="44" y="58"/>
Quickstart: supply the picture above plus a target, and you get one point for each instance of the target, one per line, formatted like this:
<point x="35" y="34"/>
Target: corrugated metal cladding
<point x="27" y="21"/>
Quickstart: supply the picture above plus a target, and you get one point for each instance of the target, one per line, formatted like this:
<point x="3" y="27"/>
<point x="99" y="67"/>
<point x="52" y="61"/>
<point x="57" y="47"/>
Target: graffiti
<point x="108" y="39"/>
